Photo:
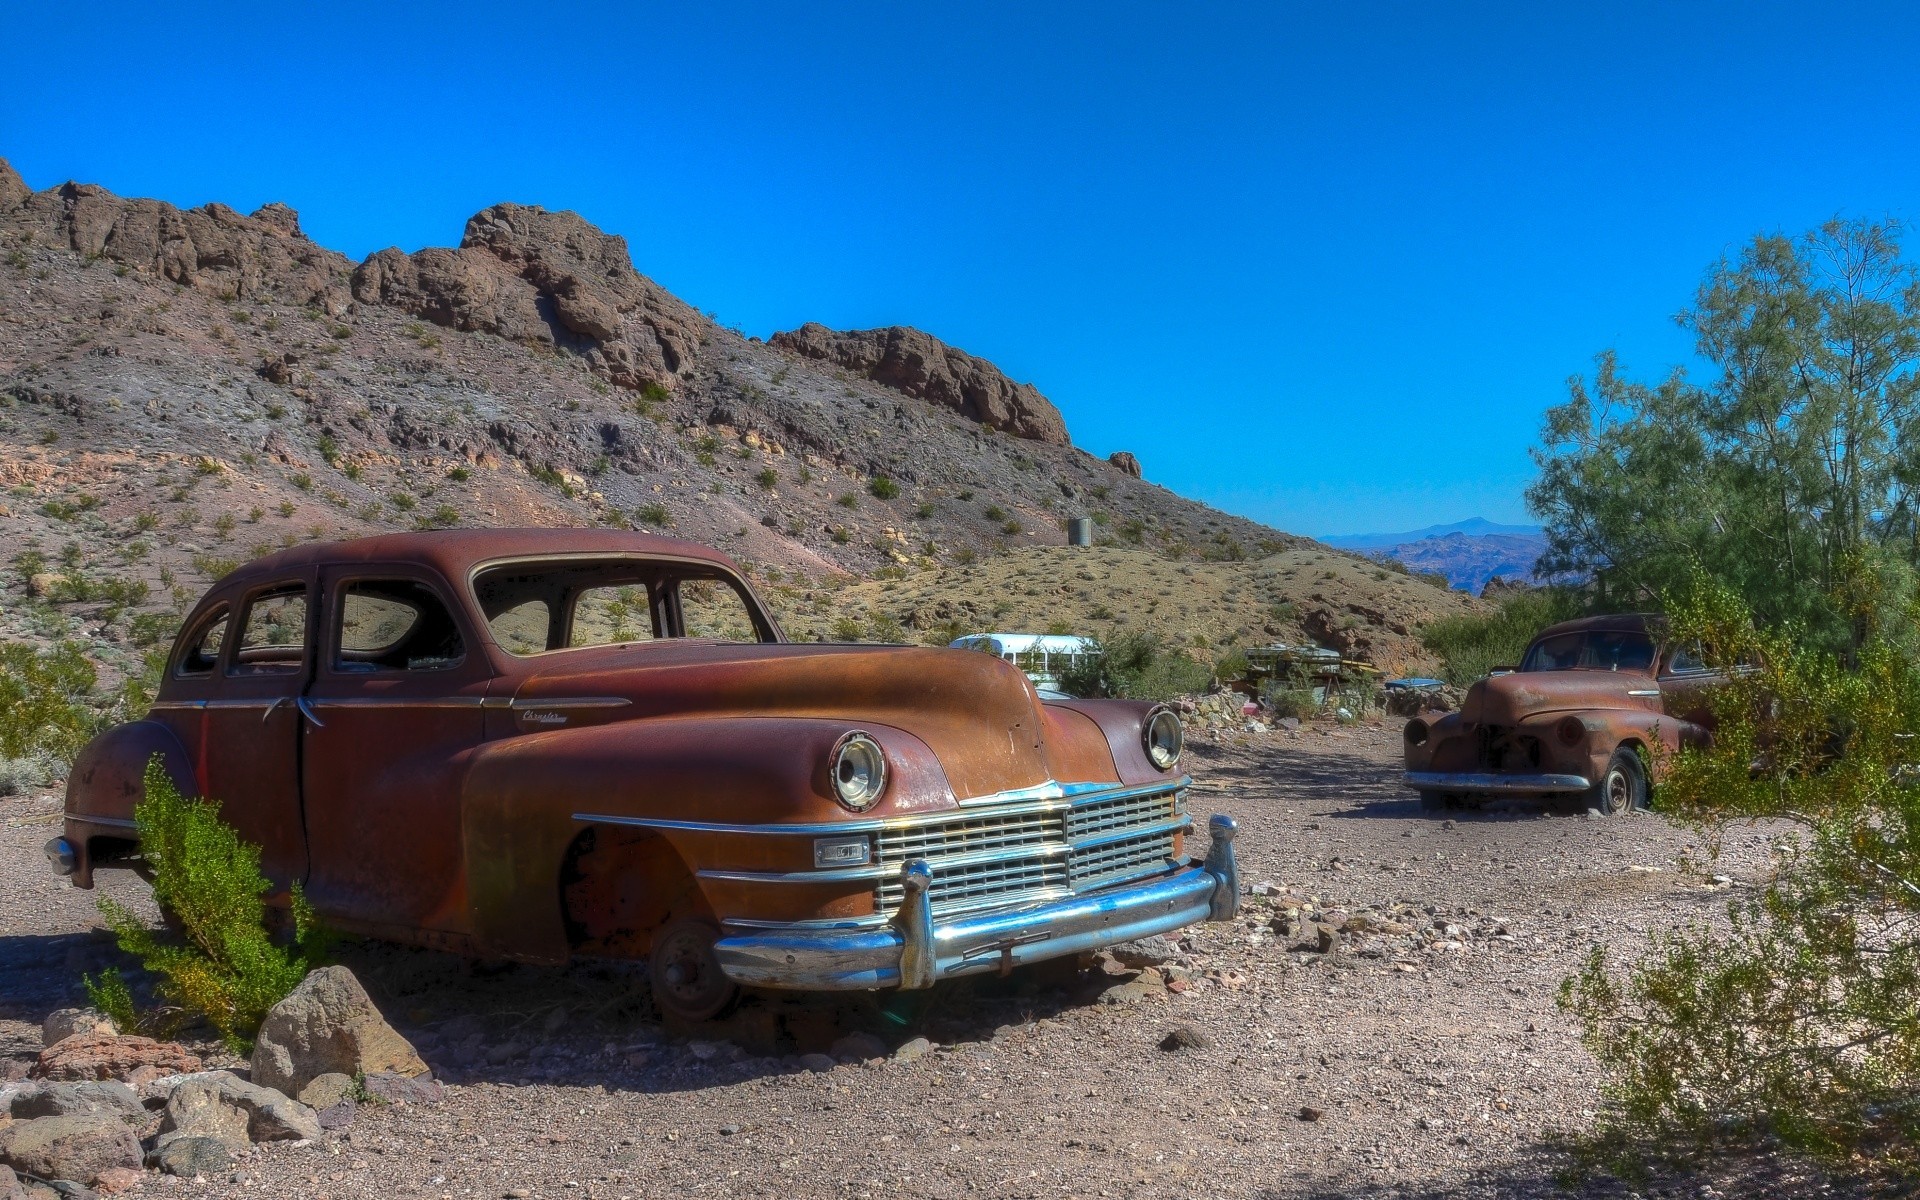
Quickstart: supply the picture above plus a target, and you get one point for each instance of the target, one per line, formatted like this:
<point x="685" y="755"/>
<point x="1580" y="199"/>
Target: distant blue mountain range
<point x="1472" y="527"/>
<point x="1469" y="553"/>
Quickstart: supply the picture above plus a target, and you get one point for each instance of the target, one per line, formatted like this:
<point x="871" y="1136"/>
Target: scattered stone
<point x="220" y="1105"/>
<point x="916" y="1048"/>
<point x="1327" y="938"/>
<point x="115" y="1180"/>
<point x="327" y="1090"/>
<point x="328" y="1025"/>
<point x="191" y="1156"/>
<point x="1309" y="1114"/>
<point x="1133" y="991"/>
<point x="729" y="1130"/>
<point x="858" y="1047"/>
<point x="1185" y="1037"/>
<point x="817" y="1062"/>
<point x="395" y="1088"/>
<point x="1152" y="951"/>
<point x="63" y="1023"/>
<point x="75" y="1099"/>
<point x="110" y="1056"/>
<point x="70" y="1147"/>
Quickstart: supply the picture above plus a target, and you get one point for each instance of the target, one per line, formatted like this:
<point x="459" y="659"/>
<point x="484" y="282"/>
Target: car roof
<point x="1648" y="623"/>
<point x="454" y="552"/>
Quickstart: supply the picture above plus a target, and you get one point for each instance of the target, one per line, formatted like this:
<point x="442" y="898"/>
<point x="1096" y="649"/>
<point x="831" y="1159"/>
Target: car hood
<point x="1511" y="698"/>
<point x="979" y="715"/>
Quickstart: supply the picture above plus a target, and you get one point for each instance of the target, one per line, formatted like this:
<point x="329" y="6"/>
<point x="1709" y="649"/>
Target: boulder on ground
<point x="79" y="1148"/>
<point x="395" y="1088"/>
<point x="63" y="1023"/>
<point x="328" y="1025"/>
<point x="44" y="1099"/>
<point x="222" y="1106"/>
<point x="109" y="1056"/>
<point x="191" y="1156"/>
<point x="1153" y="950"/>
<point x="11" y="1188"/>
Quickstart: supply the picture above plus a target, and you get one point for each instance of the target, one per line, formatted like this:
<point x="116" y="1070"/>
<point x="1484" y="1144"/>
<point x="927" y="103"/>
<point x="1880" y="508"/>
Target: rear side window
<point x="709" y="608"/>
<point x="202" y="649"/>
<point x="273" y="633"/>
<point x="395" y="625"/>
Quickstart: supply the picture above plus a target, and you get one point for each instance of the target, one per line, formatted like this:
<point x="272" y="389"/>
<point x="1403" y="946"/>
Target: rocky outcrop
<point x="919" y="364"/>
<point x="328" y="1025"/>
<point x="63" y="1023"/>
<point x="211" y="248"/>
<point x="1125" y="461"/>
<point x="543" y="278"/>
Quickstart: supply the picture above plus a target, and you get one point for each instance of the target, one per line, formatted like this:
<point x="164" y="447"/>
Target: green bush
<point x="883" y="488"/>
<point x="1470" y="646"/>
<point x="1135" y="666"/>
<point x="1288" y="701"/>
<point x="223" y="965"/>
<point x="1794" y="1023"/>
<point x="43" y="700"/>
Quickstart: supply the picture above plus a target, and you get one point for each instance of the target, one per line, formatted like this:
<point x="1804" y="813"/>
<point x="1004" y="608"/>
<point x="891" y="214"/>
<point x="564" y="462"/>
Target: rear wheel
<point x="1624" y="786"/>
<point x="686" y="976"/>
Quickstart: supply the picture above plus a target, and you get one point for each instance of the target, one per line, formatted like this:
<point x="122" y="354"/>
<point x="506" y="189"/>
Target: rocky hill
<point x="182" y="389"/>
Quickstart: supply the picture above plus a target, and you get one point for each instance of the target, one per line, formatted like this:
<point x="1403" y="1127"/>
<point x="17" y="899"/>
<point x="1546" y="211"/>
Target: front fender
<point x="526" y="799"/>
<point x="109" y="777"/>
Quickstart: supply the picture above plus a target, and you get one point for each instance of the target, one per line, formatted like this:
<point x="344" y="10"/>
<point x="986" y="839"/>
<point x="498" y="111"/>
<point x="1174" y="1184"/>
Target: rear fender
<point x="109" y="778"/>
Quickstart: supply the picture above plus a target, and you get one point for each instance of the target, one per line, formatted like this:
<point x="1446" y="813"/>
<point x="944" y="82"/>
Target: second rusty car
<point x="1578" y="722"/>
<point x="541" y="744"/>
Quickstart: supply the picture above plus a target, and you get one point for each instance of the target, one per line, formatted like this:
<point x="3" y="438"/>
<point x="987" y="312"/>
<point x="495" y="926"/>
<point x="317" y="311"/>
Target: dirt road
<point x="1424" y="1059"/>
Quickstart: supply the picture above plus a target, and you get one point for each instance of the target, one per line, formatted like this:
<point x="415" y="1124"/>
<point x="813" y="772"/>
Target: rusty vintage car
<point x="1578" y="722"/>
<point x="540" y="744"/>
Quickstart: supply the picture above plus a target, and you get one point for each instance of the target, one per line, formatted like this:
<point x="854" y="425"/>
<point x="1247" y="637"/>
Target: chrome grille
<point x="983" y="859"/>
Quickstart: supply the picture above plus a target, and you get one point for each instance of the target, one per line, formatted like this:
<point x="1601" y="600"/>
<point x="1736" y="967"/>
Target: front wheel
<point x="1624" y="786"/>
<point x="687" y="981"/>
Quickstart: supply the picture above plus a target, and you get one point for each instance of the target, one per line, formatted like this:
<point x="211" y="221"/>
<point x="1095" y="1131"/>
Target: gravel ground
<point x="1402" y="1065"/>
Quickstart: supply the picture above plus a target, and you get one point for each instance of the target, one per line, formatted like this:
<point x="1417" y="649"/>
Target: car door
<point x="1686" y="686"/>
<point x="247" y="748"/>
<point x="397" y="700"/>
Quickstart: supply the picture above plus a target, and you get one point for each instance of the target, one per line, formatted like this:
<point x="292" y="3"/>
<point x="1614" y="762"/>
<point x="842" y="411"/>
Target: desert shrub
<point x="223" y="964"/>
<point x="768" y="478"/>
<point x="1231" y="665"/>
<point x="883" y="488"/>
<point x="1135" y="666"/>
<point x="1469" y="646"/>
<point x="1286" y="700"/>
<point x="653" y="514"/>
<point x="43" y="700"/>
<point x="1793" y="1023"/>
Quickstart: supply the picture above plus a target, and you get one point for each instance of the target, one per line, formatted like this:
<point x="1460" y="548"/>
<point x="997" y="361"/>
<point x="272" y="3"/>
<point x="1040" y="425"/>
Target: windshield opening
<point x="1591" y="650"/>
<point x="540" y="607"/>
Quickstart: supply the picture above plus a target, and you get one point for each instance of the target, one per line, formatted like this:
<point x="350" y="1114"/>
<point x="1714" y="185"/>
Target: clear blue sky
<point x="1320" y="264"/>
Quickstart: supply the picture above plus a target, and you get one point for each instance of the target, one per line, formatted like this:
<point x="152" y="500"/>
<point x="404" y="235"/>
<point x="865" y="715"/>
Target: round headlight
<point x="859" y="771"/>
<point x="1163" y="738"/>
<point x="1572" y="730"/>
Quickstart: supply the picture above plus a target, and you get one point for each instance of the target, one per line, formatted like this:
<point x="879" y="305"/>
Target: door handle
<point x="306" y="710"/>
<point x="277" y="702"/>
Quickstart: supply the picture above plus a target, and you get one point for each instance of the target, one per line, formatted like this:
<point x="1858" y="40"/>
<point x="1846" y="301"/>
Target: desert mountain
<point x="181" y="389"/>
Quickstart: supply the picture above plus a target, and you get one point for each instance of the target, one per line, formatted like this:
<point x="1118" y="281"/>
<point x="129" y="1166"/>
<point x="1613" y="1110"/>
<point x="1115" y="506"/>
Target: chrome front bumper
<point x="1484" y="783"/>
<point x="914" y="951"/>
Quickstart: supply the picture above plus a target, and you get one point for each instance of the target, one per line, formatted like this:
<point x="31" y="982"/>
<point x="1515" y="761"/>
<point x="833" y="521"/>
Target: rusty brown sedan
<point x="542" y="744"/>
<point x="1579" y="722"/>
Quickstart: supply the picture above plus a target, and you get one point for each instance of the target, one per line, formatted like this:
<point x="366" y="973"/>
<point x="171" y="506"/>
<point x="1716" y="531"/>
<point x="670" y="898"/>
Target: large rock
<point x="547" y="278"/>
<point x="922" y="365"/>
<point x="80" y="1148"/>
<point x="328" y="1024"/>
<point x="191" y="1156"/>
<point x="235" y="1113"/>
<point x="13" y="193"/>
<point x="45" y="1099"/>
<point x="1125" y="461"/>
<point x="110" y="1056"/>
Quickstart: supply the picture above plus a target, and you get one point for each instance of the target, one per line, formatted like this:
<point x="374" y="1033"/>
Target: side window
<point x="203" y="647"/>
<point x="1684" y="660"/>
<point x="607" y="615"/>
<point x="395" y="625"/>
<point x="712" y="609"/>
<point x="521" y="629"/>
<point x="273" y="633"/>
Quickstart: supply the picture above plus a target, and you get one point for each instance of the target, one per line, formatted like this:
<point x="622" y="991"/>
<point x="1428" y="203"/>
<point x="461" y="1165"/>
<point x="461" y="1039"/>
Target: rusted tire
<point x="1623" y="788"/>
<point x="687" y="981"/>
